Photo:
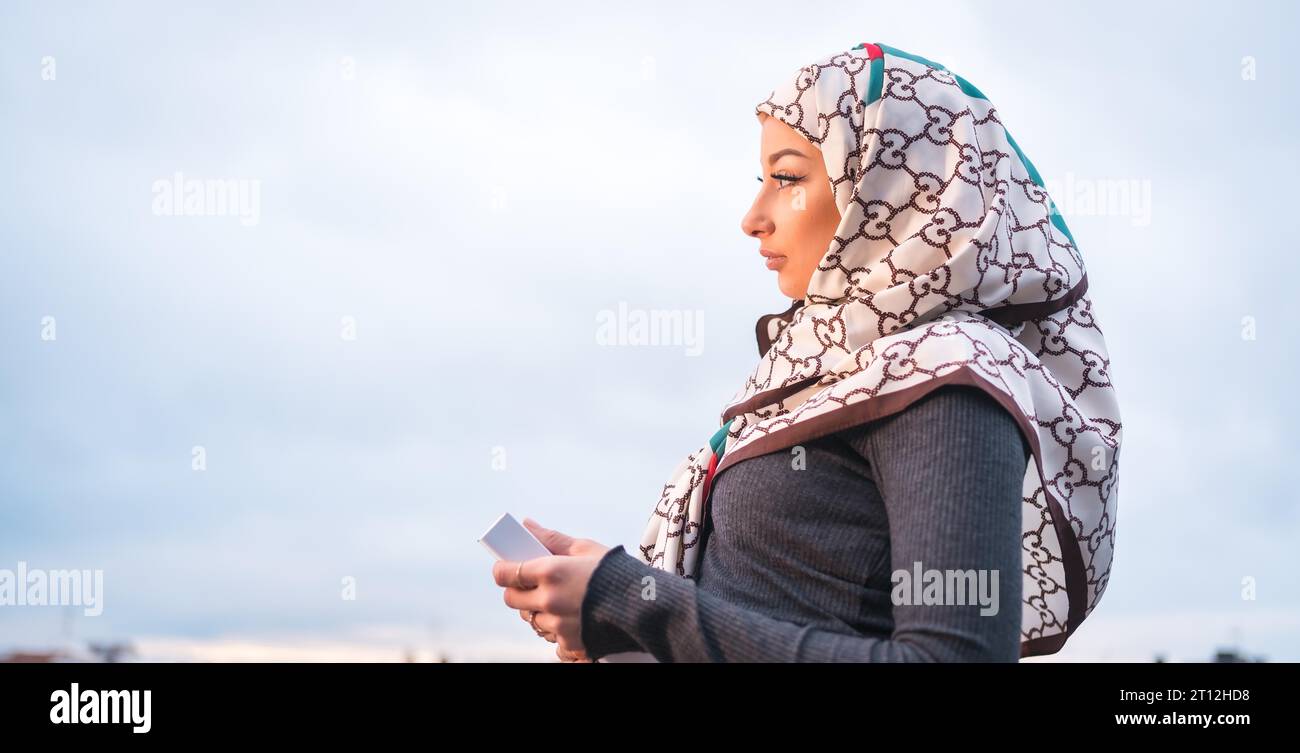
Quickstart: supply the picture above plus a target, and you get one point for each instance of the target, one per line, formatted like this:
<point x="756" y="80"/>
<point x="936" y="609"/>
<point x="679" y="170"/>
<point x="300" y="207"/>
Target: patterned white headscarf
<point x="950" y="265"/>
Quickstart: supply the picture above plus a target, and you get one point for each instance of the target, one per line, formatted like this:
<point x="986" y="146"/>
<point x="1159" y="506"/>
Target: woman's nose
<point x="756" y="222"/>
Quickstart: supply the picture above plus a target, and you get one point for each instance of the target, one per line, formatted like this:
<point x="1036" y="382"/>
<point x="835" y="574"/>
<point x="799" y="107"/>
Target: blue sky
<point x="473" y="185"/>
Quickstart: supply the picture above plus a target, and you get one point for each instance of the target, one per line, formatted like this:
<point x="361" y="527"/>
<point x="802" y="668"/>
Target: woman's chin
<point x="788" y="288"/>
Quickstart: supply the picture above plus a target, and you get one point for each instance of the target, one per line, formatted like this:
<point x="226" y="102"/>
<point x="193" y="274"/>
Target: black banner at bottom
<point x="208" y="702"/>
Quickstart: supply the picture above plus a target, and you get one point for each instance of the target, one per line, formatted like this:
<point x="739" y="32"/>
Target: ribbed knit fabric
<point x="797" y="562"/>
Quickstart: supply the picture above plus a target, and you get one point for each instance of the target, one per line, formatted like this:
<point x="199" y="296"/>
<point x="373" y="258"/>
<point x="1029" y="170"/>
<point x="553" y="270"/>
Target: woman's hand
<point x="566" y="657"/>
<point x="553" y="587"/>
<point x="579" y="656"/>
<point x="576" y="657"/>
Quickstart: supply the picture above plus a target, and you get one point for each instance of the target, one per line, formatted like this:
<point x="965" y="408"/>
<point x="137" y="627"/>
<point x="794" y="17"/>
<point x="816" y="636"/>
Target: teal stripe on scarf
<point x="719" y="441"/>
<point x="877" y="81"/>
<point x="1057" y="220"/>
<point x="875" y="87"/>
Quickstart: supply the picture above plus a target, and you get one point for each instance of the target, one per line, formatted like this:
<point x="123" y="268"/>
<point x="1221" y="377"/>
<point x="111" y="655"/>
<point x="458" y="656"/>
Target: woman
<point x="923" y="464"/>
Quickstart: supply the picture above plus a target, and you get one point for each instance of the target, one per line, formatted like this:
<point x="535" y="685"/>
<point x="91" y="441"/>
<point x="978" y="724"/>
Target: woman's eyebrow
<point x="774" y="156"/>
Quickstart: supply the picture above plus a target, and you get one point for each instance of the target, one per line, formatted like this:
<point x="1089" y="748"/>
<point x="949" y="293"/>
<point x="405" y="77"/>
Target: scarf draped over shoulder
<point x="950" y="265"/>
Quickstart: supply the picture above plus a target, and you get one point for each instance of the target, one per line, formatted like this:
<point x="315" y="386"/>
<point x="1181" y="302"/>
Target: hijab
<point x="950" y="266"/>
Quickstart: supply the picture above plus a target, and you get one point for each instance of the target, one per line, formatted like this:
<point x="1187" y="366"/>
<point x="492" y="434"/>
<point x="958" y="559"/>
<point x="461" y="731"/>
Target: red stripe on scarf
<point x="708" y="475"/>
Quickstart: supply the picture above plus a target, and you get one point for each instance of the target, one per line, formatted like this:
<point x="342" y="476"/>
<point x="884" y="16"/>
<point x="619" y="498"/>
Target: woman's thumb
<point x="557" y="542"/>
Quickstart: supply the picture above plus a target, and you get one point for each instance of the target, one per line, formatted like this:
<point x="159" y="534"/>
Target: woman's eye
<point x="782" y="179"/>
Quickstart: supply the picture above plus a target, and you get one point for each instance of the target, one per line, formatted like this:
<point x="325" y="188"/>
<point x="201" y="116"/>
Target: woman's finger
<point x="529" y="600"/>
<point x="553" y="540"/>
<point x="571" y="656"/>
<point x="509" y="574"/>
<point x="549" y="625"/>
<point x="567" y="656"/>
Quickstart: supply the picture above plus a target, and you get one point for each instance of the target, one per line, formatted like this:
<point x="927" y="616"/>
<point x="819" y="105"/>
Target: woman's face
<point x="794" y="215"/>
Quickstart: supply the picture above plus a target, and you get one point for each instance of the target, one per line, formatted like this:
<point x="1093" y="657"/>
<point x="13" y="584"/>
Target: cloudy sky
<point x="448" y="201"/>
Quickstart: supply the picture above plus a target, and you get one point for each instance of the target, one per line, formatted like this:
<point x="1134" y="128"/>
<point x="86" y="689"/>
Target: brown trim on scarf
<point x="1047" y="644"/>
<point x="760" y="329"/>
<point x="1010" y="316"/>
<point x="767" y="397"/>
<point x="883" y="406"/>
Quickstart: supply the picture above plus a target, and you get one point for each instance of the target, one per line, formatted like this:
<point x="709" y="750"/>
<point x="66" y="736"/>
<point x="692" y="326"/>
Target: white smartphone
<point x="508" y="539"/>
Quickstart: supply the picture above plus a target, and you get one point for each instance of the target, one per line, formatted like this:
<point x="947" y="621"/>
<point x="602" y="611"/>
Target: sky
<point x="395" y="338"/>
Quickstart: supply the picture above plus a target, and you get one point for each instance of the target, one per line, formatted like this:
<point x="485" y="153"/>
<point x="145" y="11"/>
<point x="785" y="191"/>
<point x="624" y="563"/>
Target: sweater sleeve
<point x="950" y="469"/>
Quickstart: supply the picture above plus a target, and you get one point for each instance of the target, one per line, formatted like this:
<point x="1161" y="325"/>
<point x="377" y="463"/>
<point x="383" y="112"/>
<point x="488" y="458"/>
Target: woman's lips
<point x="774" y="259"/>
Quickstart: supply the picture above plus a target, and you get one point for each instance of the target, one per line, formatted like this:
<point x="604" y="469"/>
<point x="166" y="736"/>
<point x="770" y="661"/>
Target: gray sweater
<point x="803" y="564"/>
